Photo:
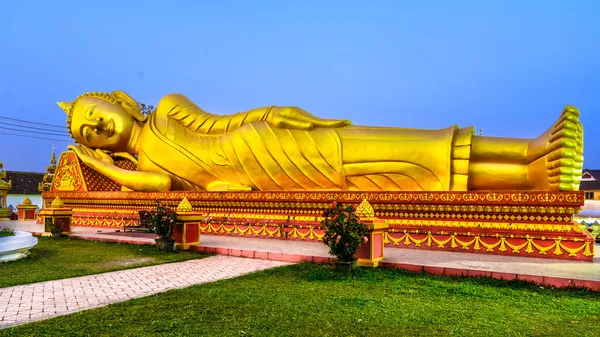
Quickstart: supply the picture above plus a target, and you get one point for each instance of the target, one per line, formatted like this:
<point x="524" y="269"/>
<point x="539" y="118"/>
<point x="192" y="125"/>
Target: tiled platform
<point x="549" y="272"/>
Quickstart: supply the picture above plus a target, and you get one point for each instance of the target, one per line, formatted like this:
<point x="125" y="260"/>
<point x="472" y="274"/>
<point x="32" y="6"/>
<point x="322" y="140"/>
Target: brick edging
<point x="94" y="238"/>
<point x="552" y="282"/>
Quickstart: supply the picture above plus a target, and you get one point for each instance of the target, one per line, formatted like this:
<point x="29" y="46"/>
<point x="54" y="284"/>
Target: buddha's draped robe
<point x="198" y="149"/>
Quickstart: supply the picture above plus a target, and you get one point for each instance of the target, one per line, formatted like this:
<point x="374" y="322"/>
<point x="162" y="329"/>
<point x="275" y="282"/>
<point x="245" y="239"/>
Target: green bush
<point x="344" y="232"/>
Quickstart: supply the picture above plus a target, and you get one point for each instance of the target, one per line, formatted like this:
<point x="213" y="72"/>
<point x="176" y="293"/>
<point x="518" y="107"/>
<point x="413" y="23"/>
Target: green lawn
<point x="58" y="258"/>
<point x="311" y="300"/>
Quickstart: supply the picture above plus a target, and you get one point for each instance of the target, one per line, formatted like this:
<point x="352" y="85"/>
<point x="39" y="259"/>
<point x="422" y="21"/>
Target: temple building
<point x="590" y="183"/>
<point x="28" y="186"/>
<point x="24" y="185"/>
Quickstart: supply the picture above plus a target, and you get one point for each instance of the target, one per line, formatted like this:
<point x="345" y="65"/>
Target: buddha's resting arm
<point x="133" y="180"/>
<point x="194" y="118"/>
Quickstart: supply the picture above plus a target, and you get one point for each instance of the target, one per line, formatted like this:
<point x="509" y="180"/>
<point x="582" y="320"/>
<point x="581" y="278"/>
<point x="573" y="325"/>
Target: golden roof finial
<point x="57" y="203"/>
<point x="184" y="206"/>
<point x="26" y="201"/>
<point x="53" y="158"/>
<point x="364" y="210"/>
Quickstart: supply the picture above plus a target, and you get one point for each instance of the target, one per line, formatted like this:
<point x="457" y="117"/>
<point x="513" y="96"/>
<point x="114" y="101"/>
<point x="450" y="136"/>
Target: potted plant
<point x="162" y="222"/>
<point x="344" y="234"/>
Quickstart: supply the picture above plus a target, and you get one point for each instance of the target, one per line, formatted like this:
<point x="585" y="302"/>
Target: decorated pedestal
<point x="26" y="210"/>
<point x="371" y="251"/>
<point x="57" y="213"/>
<point x="187" y="227"/>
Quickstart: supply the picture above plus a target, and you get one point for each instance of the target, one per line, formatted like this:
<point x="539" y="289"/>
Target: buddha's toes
<point x="565" y="152"/>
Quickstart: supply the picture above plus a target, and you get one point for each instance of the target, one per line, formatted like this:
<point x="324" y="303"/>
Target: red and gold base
<point x="517" y="223"/>
<point x="26" y="212"/>
<point x="551" y="245"/>
<point x="187" y="229"/>
<point x="371" y="252"/>
<point x="60" y="216"/>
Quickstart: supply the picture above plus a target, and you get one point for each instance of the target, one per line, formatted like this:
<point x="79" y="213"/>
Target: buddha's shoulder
<point x="173" y="102"/>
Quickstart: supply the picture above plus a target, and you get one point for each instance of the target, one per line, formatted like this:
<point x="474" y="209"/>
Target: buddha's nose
<point x="96" y="123"/>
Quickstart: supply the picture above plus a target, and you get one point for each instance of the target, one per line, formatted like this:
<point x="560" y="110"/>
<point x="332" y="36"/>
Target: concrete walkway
<point x="99" y="233"/>
<point x="37" y="301"/>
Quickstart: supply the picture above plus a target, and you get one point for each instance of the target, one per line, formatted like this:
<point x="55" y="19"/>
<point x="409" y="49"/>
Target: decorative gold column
<point x="57" y="213"/>
<point x="371" y="252"/>
<point x="187" y="227"/>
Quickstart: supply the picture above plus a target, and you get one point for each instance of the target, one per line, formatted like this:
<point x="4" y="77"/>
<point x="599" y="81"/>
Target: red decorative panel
<point x="97" y="182"/>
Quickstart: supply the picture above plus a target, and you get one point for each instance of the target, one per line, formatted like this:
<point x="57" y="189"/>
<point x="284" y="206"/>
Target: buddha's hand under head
<point x="91" y="157"/>
<point x="296" y="118"/>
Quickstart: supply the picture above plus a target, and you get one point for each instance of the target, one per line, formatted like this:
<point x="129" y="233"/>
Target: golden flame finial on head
<point x="364" y="210"/>
<point x="67" y="107"/>
<point x="184" y="206"/>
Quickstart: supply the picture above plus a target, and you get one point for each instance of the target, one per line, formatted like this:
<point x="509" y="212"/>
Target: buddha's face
<point x="99" y="124"/>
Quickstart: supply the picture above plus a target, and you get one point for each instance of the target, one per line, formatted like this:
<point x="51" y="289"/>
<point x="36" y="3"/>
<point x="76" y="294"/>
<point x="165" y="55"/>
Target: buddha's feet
<point x="558" y="154"/>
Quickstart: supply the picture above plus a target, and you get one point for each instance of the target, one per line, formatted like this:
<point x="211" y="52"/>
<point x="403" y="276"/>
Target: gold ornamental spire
<point x="53" y="158"/>
<point x="57" y="203"/>
<point x="184" y="206"/>
<point x="364" y="210"/>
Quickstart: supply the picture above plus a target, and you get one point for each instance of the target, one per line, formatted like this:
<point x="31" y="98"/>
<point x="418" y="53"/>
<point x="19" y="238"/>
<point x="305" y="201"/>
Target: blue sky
<point x="508" y="67"/>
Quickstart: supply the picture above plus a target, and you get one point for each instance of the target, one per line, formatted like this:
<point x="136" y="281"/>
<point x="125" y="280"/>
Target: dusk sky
<point x="507" y="67"/>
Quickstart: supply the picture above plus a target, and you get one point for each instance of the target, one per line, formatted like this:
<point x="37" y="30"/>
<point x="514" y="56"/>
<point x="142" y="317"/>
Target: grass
<point x="58" y="258"/>
<point x="312" y="300"/>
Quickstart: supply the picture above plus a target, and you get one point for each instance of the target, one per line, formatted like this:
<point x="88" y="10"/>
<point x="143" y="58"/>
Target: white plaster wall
<point x="17" y="199"/>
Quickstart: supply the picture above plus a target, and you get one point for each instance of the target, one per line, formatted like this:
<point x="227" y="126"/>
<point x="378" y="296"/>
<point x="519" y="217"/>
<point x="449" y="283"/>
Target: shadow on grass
<point x="36" y="254"/>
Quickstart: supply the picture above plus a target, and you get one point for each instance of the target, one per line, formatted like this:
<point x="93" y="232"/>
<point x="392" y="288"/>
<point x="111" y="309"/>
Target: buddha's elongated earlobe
<point x="129" y="104"/>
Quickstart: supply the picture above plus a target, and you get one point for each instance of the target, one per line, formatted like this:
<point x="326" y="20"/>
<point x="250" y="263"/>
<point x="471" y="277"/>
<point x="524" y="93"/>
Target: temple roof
<point x="595" y="173"/>
<point x="589" y="186"/>
<point x="24" y="182"/>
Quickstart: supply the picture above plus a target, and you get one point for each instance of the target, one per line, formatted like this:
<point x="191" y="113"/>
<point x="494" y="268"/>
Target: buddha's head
<point x="103" y="121"/>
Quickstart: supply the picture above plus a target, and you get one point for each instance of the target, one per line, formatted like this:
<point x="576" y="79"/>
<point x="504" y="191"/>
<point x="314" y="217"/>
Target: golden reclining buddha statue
<point x="180" y="147"/>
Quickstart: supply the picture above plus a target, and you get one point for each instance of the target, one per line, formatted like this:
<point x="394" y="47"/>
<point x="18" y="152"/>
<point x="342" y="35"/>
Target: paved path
<point x="37" y="301"/>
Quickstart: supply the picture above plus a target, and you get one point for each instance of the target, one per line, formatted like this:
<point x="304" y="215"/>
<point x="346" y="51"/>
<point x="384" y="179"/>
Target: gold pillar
<point x="57" y="213"/>
<point x="187" y="227"/>
<point x="371" y="252"/>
